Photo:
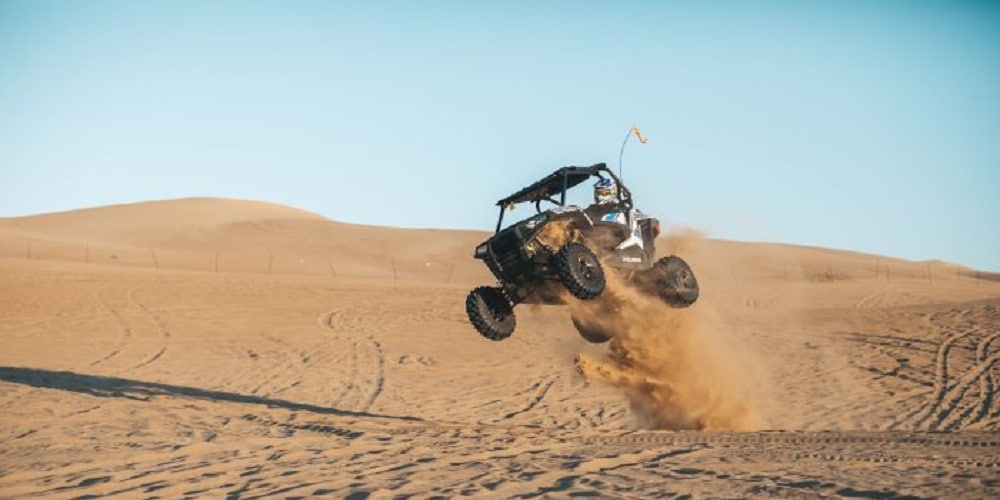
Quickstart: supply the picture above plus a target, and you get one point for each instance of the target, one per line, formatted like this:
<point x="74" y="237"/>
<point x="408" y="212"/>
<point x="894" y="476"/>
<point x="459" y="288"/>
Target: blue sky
<point x="863" y="125"/>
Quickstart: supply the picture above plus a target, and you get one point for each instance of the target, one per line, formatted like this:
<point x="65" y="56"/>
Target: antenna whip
<point x="638" y="135"/>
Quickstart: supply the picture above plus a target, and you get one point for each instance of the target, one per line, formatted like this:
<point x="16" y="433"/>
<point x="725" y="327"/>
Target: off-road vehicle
<point x="565" y="247"/>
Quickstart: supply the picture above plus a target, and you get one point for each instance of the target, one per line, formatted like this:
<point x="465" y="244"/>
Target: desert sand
<point x="225" y="348"/>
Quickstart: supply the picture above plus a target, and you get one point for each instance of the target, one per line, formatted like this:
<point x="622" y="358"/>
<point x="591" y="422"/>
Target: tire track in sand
<point x="538" y="391"/>
<point x="159" y="325"/>
<point x="941" y="381"/>
<point x="978" y="409"/>
<point x="124" y="331"/>
<point x="870" y="301"/>
<point x="365" y="378"/>
<point x="974" y="449"/>
<point x="964" y="383"/>
<point x="132" y="339"/>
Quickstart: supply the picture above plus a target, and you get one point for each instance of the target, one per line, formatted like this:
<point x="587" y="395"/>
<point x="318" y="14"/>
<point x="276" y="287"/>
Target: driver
<point x="606" y="208"/>
<point x="605" y="192"/>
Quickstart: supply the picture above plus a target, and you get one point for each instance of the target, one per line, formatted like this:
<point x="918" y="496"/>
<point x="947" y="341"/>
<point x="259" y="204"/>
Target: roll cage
<point x="560" y="181"/>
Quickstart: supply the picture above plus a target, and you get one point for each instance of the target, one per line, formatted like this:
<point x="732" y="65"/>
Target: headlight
<point x="530" y="248"/>
<point x="481" y="250"/>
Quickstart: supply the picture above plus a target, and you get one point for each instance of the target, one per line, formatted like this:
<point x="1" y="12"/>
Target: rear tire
<point x="675" y="281"/>
<point x="580" y="271"/>
<point x="490" y="312"/>
<point x="591" y="332"/>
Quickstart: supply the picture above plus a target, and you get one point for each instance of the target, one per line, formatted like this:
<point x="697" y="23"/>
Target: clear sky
<point x="863" y="125"/>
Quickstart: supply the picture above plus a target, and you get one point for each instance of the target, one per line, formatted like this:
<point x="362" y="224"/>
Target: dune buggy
<point x="565" y="248"/>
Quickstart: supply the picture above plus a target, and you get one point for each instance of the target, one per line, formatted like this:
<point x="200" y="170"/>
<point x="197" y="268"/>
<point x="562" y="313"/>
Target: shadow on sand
<point x="114" y="387"/>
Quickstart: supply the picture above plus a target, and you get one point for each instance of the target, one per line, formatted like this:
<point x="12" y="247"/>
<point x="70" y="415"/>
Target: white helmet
<point x="605" y="191"/>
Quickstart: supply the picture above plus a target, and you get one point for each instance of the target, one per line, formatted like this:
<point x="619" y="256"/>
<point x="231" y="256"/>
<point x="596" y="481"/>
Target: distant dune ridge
<point x="238" y="230"/>
<point x="210" y="347"/>
<point x="234" y="235"/>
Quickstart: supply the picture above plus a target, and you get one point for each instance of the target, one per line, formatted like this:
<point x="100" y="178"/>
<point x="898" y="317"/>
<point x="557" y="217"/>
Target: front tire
<point x="580" y="271"/>
<point x="490" y="312"/>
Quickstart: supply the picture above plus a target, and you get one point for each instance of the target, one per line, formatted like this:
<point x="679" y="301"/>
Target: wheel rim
<point x="586" y="268"/>
<point x="682" y="278"/>
<point x="580" y="271"/>
<point x="495" y="310"/>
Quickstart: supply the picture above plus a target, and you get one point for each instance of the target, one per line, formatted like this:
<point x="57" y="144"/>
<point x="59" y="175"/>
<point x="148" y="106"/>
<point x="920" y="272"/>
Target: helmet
<point x="605" y="191"/>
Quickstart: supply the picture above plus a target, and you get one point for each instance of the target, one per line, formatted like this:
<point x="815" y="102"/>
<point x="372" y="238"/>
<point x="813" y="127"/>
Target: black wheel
<point x="490" y="312"/>
<point x="579" y="271"/>
<point x="676" y="283"/>
<point x="592" y="332"/>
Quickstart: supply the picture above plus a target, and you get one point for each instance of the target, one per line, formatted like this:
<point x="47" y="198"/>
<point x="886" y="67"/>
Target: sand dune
<point x="208" y="347"/>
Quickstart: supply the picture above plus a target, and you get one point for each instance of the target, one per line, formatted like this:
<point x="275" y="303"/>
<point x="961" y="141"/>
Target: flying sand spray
<point x="672" y="365"/>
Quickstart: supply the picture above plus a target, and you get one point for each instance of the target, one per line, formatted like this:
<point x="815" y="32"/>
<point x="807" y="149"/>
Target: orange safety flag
<point x="638" y="134"/>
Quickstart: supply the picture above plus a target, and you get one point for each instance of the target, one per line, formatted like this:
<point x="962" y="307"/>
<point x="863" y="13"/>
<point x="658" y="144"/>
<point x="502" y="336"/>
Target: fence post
<point x="156" y="261"/>
<point x="27" y="249"/>
<point x="395" y="273"/>
<point x="332" y="271"/>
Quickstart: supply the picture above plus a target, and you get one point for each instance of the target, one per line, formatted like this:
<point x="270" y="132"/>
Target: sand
<point x="212" y="347"/>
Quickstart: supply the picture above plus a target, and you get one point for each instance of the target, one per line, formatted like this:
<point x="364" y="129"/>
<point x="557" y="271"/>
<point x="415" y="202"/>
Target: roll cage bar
<point x="560" y="181"/>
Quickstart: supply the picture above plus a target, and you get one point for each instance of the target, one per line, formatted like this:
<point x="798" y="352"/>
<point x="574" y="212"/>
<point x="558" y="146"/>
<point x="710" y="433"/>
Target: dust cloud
<point x="674" y="366"/>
